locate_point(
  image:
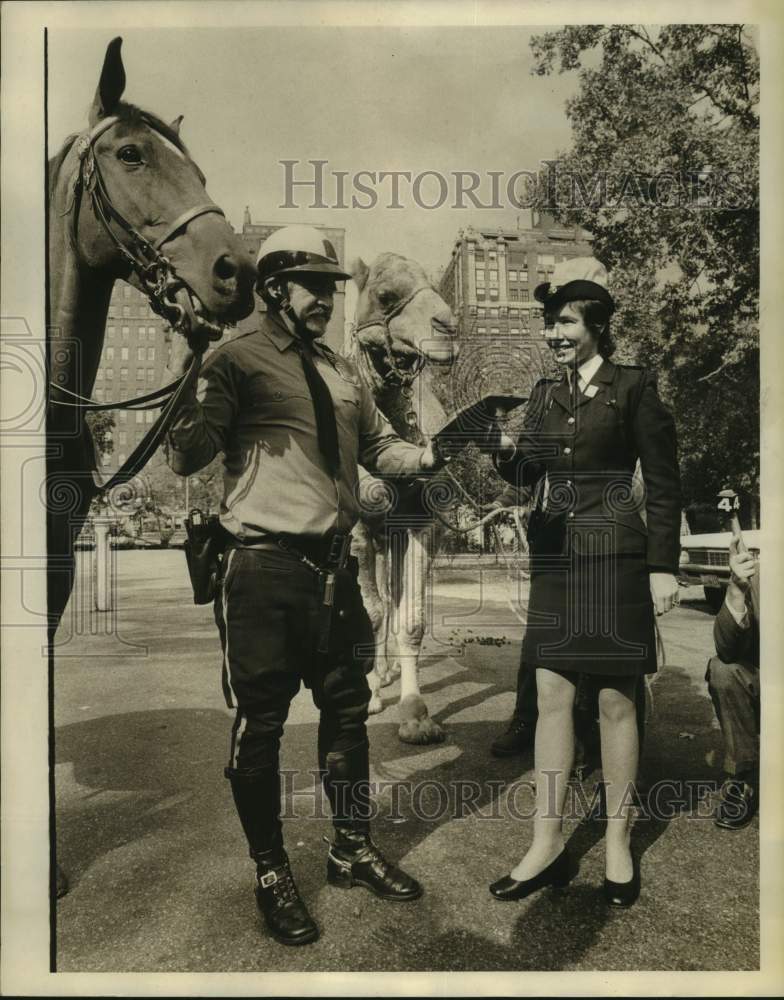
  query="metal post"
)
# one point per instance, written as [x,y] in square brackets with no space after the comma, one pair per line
[102,564]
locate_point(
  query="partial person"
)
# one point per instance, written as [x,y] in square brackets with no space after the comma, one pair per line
[293,420]
[734,686]
[598,573]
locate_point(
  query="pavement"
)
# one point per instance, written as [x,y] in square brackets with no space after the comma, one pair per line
[159,872]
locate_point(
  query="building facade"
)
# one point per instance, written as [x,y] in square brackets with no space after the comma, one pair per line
[489,284]
[135,352]
[253,235]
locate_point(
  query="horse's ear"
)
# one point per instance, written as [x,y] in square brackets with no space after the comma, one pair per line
[175,125]
[111,85]
[359,271]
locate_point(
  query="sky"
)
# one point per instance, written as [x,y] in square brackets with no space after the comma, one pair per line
[393,98]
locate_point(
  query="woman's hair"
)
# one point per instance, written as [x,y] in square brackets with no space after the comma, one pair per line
[596,317]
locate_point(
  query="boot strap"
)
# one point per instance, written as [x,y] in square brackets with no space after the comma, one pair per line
[268,879]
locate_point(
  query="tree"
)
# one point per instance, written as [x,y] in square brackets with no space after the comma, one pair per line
[101,426]
[663,172]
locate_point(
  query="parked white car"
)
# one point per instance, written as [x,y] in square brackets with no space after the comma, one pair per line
[705,559]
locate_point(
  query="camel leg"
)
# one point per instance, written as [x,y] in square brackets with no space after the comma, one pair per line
[410,610]
[365,549]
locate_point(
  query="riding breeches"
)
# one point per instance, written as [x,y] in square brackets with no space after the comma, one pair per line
[268,612]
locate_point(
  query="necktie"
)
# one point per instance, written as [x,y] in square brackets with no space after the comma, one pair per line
[324,408]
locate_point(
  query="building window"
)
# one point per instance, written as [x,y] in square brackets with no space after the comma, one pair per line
[99,395]
[123,354]
[514,330]
[513,275]
[514,294]
[546,260]
[125,332]
[494,313]
[494,329]
[151,332]
[142,332]
[110,332]
[150,374]
[126,291]
[139,416]
[140,352]
[493,275]
[123,373]
[525,295]
[110,354]
[126,311]
[149,416]
[151,354]
[493,293]
[139,374]
[481,329]
[123,437]
[123,415]
[514,313]
[480,293]
[481,312]
[523,276]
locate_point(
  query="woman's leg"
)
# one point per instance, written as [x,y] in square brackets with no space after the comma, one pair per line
[553,758]
[620,753]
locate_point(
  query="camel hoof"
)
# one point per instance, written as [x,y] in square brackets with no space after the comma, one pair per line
[376,705]
[416,726]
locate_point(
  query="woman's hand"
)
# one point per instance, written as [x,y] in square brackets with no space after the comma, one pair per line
[664,591]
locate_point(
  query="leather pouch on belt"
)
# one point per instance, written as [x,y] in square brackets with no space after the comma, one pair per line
[204,546]
[340,598]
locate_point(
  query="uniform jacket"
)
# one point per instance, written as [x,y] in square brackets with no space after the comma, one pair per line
[579,454]
[254,405]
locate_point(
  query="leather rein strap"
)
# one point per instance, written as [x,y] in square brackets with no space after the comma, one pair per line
[158,280]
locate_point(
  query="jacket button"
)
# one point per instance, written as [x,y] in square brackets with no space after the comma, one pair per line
[571,513]
[278,395]
[570,420]
[567,451]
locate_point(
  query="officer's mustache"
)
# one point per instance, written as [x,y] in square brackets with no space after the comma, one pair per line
[319,311]
[559,343]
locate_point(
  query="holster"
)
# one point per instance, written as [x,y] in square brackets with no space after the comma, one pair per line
[204,546]
[337,579]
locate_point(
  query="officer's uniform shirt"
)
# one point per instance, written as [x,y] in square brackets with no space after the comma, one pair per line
[583,443]
[254,405]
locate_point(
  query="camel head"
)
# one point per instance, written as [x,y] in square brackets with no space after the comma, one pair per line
[395,291]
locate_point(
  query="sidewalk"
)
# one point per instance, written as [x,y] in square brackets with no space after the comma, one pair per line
[159,871]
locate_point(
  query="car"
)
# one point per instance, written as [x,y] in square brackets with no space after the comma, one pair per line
[705,559]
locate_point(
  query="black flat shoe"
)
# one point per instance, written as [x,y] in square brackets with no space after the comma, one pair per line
[623,893]
[558,873]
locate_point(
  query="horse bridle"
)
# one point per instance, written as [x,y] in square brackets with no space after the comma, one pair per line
[153,268]
[397,376]
[159,281]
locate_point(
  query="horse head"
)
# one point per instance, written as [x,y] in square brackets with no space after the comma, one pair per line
[139,211]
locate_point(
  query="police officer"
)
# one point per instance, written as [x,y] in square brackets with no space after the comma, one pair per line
[598,570]
[293,421]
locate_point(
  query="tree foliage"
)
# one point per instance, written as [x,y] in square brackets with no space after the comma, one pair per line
[663,172]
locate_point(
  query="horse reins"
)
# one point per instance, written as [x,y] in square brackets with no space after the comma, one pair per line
[158,280]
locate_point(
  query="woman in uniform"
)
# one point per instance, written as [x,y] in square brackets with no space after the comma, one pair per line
[598,569]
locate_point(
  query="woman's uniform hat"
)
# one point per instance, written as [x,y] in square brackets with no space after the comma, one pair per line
[578,278]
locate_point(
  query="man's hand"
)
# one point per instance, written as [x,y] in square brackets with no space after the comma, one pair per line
[182,350]
[743,565]
[433,457]
[664,591]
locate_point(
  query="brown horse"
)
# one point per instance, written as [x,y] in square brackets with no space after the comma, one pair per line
[126,201]
[402,328]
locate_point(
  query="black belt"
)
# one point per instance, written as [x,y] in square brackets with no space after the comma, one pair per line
[329,551]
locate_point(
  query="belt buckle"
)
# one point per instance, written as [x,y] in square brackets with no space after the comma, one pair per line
[265,881]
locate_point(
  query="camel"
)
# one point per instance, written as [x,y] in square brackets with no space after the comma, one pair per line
[402,327]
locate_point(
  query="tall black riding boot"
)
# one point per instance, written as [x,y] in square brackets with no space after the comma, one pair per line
[257,798]
[353,857]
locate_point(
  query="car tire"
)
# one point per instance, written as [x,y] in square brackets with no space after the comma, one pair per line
[715,597]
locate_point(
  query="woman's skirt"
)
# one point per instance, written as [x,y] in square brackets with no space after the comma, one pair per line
[593,615]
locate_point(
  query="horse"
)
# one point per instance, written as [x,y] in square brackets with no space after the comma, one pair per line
[125,201]
[402,327]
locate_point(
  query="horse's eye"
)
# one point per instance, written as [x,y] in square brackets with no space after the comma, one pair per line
[130,155]
[386,298]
